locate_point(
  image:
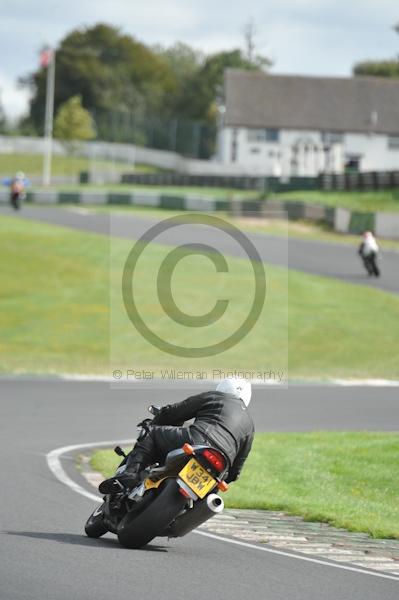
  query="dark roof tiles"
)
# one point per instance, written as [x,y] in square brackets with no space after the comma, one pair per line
[360,104]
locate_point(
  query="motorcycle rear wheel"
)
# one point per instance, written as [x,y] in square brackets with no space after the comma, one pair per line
[135,531]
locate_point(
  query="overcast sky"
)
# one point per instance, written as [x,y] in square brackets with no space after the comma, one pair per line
[318,37]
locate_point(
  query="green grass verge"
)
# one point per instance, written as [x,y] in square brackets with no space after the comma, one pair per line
[345,479]
[385,200]
[54,311]
[32,164]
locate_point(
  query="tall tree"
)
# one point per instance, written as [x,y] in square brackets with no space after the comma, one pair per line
[3,119]
[185,63]
[73,123]
[108,69]
[249,39]
[206,85]
[182,59]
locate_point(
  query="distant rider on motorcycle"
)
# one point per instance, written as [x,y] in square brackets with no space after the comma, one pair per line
[368,250]
[17,190]
[221,421]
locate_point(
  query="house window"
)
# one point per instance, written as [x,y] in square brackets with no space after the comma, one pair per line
[272,135]
[353,163]
[263,135]
[256,135]
[393,142]
[330,138]
[255,150]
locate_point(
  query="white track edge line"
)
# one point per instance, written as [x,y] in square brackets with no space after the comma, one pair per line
[91,378]
[339,382]
[54,464]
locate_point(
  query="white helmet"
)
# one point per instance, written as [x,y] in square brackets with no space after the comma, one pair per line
[240,388]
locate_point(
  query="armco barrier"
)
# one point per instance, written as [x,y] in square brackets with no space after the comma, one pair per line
[182,179]
[387,225]
[341,219]
[371,180]
[119,199]
[69,198]
[201,204]
[145,200]
[234,181]
[360,222]
[173,202]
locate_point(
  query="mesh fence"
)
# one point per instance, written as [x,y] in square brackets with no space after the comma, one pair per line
[187,137]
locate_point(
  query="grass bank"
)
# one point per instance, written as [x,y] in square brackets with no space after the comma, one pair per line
[32,165]
[346,479]
[54,311]
[382,200]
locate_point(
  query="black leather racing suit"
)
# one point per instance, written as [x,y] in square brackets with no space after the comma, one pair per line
[221,420]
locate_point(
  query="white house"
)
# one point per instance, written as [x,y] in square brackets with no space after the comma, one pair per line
[301,126]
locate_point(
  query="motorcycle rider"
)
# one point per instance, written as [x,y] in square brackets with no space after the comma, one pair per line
[221,420]
[368,250]
[17,190]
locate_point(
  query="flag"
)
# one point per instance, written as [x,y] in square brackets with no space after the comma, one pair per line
[46,56]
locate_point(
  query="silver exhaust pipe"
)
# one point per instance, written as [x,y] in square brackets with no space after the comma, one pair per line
[196,516]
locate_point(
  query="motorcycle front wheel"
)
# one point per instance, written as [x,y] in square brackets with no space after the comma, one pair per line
[95,527]
[135,531]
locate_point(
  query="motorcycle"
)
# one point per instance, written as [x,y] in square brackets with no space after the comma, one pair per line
[17,194]
[171,499]
[371,265]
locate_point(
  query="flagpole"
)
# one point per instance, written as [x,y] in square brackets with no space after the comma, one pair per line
[48,120]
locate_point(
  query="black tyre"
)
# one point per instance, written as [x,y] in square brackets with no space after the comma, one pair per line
[368,267]
[95,527]
[135,531]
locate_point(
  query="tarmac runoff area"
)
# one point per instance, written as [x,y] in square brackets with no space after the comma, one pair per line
[45,554]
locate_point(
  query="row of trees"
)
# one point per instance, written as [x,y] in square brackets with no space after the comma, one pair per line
[134,91]
[157,96]
[383,68]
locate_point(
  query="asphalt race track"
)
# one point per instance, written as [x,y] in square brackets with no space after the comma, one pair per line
[44,554]
[321,258]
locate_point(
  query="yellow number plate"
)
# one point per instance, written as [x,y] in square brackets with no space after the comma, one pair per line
[197,478]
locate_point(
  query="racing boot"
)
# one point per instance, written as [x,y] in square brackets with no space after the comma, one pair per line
[127,479]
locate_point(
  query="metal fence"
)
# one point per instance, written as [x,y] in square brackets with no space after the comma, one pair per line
[186,137]
[373,180]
